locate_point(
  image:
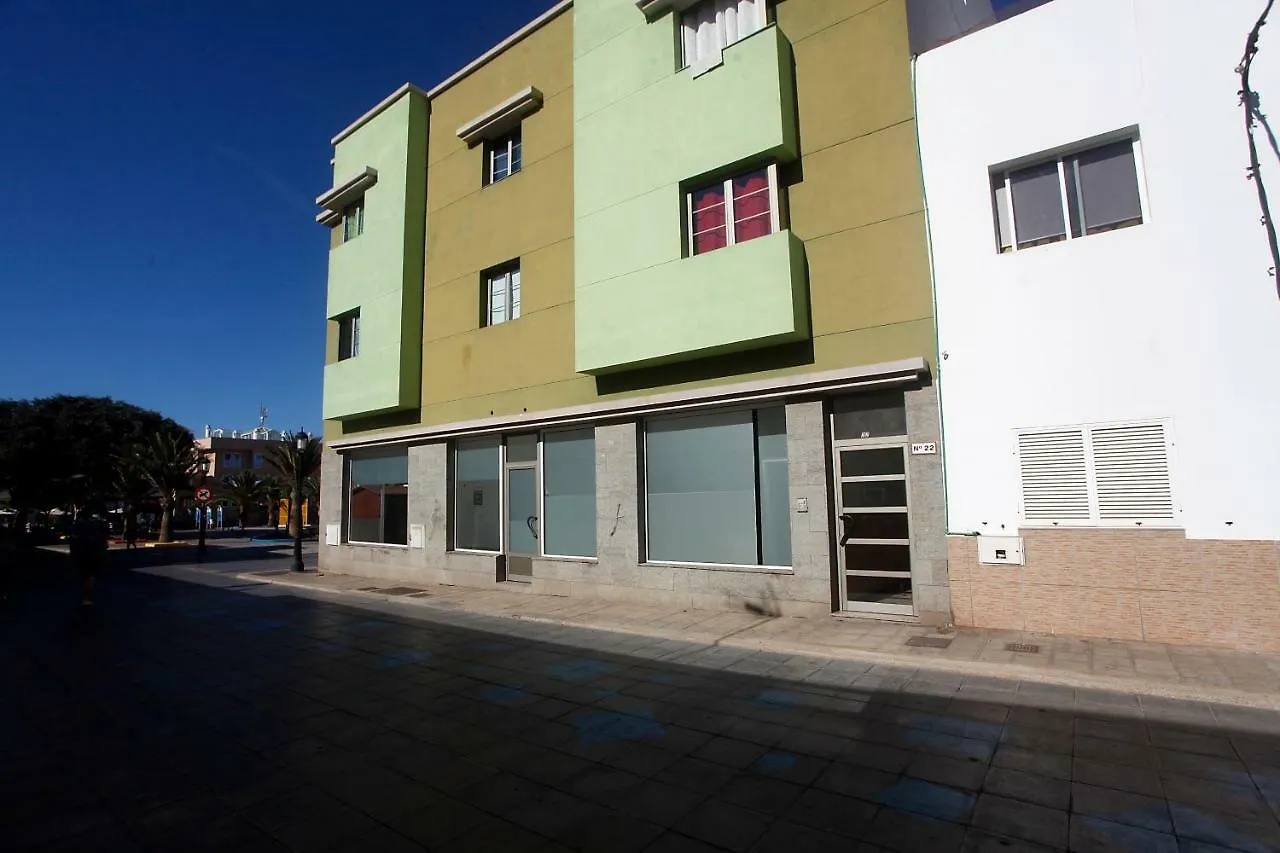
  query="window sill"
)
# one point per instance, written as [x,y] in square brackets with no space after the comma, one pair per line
[391,545]
[722,567]
[556,558]
[473,552]
[497,181]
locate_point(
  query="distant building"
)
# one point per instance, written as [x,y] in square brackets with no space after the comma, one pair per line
[233,451]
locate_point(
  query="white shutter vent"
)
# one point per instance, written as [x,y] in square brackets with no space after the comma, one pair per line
[1131,469]
[1055,482]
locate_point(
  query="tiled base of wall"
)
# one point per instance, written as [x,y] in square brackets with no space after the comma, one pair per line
[1152,585]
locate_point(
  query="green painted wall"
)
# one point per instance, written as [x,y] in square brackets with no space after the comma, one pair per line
[644,133]
[380,272]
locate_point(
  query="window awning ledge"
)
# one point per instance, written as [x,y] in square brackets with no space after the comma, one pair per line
[654,8]
[340,196]
[501,118]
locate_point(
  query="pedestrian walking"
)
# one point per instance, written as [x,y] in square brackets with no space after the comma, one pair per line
[88,540]
[130,528]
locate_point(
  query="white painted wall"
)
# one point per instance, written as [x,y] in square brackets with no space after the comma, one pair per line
[1176,318]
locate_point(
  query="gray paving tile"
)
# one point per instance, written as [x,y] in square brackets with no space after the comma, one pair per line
[1028,787]
[1094,835]
[1225,830]
[1121,807]
[1121,777]
[1023,820]
[723,824]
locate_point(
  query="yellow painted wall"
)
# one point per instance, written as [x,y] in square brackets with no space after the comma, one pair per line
[855,199]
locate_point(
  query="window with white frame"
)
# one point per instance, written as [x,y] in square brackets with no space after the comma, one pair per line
[378,497]
[502,294]
[712,25]
[734,210]
[349,336]
[353,220]
[1103,474]
[501,157]
[716,488]
[1067,197]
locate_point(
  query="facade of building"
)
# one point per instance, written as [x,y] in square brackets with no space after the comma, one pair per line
[637,306]
[1107,324]
[232,451]
[640,306]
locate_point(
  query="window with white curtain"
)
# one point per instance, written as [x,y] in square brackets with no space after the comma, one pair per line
[709,27]
[502,294]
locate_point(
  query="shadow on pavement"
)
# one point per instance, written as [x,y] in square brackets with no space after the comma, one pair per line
[173,716]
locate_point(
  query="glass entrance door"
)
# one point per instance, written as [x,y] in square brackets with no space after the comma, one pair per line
[874,528]
[522,523]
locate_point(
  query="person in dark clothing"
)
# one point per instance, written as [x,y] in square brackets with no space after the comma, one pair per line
[130,528]
[88,540]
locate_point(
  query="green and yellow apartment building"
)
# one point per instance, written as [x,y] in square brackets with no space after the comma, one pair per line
[637,307]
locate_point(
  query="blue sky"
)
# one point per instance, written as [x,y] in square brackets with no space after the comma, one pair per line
[161,159]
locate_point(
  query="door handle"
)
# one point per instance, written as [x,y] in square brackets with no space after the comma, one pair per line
[532,523]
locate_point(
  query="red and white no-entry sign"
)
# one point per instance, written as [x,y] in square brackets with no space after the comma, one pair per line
[204,494]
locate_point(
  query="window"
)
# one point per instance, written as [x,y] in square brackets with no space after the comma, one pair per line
[1086,192]
[502,157]
[716,488]
[502,295]
[353,220]
[477,471]
[259,461]
[711,26]
[1096,475]
[735,210]
[232,461]
[379,498]
[349,336]
[569,493]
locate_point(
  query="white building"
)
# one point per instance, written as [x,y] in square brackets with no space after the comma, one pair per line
[1109,332]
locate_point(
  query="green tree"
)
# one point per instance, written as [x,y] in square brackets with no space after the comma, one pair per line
[245,491]
[65,451]
[169,461]
[295,465]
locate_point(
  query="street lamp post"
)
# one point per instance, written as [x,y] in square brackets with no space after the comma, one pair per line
[203,509]
[301,440]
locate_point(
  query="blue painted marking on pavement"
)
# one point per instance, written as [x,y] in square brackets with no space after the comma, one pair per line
[776,699]
[259,625]
[1193,823]
[395,660]
[581,669]
[501,695]
[955,747]
[914,795]
[600,727]
[775,762]
[493,646]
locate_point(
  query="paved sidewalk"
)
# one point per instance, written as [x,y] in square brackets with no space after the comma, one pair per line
[1154,669]
[190,710]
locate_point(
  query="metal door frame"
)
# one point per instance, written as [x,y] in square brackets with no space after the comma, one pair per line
[837,497]
[508,466]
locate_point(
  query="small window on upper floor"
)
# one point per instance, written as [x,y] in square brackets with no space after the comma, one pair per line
[712,25]
[1074,195]
[353,220]
[501,157]
[232,461]
[732,211]
[349,336]
[502,294]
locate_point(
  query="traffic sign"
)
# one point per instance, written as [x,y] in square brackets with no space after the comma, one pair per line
[204,494]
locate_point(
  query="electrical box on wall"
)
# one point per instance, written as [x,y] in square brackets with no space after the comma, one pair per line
[332,534]
[1000,550]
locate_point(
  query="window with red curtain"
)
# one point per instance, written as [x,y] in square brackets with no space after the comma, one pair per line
[709,228]
[732,211]
[752,217]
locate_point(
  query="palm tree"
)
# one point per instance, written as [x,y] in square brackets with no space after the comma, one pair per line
[274,490]
[168,459]
[295,465]
[245,490]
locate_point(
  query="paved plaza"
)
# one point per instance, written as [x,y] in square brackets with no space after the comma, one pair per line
[238,715]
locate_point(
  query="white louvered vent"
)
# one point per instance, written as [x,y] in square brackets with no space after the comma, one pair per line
[1055,481]
[1131,470]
